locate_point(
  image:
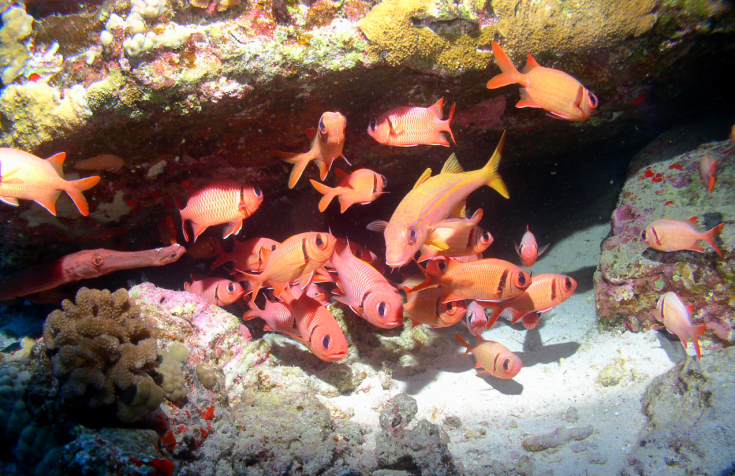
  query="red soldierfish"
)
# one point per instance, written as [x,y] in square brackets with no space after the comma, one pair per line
[456,237]
[226,201]
[431,201]
[318,328]
[277,316]
[555,91]
[408,126]
[297,257]
[678,320]
[545,292]
[528,250]
[495,358]
[674,235]
[216,291]
[25,176]
[246,255]
[476,318]
[366,291]
[486,279]
[707,171]
[326,145]
[361,186]
[426,307]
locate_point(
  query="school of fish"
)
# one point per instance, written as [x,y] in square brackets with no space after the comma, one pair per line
[308,271]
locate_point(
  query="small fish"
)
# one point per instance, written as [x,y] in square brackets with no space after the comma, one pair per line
[327,143]
[486,279]
[216,291]
[25,176]
[493,357]
[277,316]
[707,171]
[476,318]
[408,126]
[528,250]
[298,257]
[318,328]
[246,255]
[732,134]
[361,186]
[555,91]
[431,201]
[426,306]
[227,201]
[366,291]
[674,235]
[545,292]
[456,237]
[678,320]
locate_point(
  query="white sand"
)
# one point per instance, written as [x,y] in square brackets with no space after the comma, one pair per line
[562,358]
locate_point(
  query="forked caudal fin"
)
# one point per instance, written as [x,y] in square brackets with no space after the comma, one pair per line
[464,343]
[491,170]
[75,189]
[709,237]
[509,75]
[328,192]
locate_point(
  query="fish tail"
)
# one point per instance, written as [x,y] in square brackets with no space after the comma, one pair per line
[448,122]
[709,237]
[299,162]
[696,332]
[75,192]
[509,75]
[490,170]
[464,343]
[252,312]
[328,192]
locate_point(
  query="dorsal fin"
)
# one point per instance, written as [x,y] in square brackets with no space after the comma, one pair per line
[438,108]
[57,162]
[424,177]
[451,166]
[377,225]
[477,216]
[693,220]
[530,64]
[340,174]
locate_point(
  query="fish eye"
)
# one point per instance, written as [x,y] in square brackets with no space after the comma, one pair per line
[442,265]
[385,182]
[411,234]
[593,100]
[231,288]
[98,260]
[643,235]
[320,241]
[507,364]
[450,306]
[382,309]
[568,283]
[326,341]
[373,125]
[522,279]
[257,192]
[322,127]
[486,237]
[273,247]
[471,318]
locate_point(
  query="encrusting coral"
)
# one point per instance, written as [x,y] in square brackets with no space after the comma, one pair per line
[100,346]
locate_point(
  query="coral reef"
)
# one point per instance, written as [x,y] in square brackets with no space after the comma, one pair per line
[17,26]
[631,276]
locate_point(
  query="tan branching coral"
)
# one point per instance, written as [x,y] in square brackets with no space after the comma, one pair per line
[99,345]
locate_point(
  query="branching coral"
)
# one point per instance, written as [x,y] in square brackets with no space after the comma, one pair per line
[99,345]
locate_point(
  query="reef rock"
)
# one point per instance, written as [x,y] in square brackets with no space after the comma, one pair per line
[631,276]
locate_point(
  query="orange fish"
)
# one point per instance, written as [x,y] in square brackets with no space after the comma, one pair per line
[247,255]
[426,307]
[486,279]
[277,316]
[707,172]
[674,235]
[732,134]
[545,292]
[226,201]
[326,145]
[456,237]
[678,320]
[361,186]
[555,91]
[25,176]
[297,257]
[408,126]
[476,318]
[216,291]
[366,291]
[528,250]
[432,200]
[493,357]
[318,328]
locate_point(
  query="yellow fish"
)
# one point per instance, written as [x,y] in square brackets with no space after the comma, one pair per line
[431,201]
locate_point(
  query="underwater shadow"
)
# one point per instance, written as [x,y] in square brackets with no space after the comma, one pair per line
[672,346]
[535,352]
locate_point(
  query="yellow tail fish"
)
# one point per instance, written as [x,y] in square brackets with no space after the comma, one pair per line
[432,200]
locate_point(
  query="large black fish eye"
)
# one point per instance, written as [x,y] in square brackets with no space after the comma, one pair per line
[326,341]
[98,260]
[373,124]
[568,283]
[450,306]
[382,309]
[322,127]
[411,234]
[506,365]
[257,192]
[231,288]
[471,318]
[643,235]
[319,241]
[593,100]
[486,236]
[442,265]
[522,278]
[385,181]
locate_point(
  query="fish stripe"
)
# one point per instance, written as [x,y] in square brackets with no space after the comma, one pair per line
[303,250]
[553,290]
[655,235]
[503,279]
